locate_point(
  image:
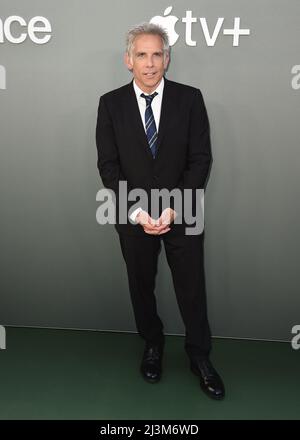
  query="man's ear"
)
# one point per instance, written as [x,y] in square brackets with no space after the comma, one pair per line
[127,61]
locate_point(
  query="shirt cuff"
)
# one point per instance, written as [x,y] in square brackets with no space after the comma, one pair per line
[134,214]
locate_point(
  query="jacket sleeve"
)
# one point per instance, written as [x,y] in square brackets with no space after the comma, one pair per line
[108,158]
[199,157]
[199,149]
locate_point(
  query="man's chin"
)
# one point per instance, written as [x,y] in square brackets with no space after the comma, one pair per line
[151,83]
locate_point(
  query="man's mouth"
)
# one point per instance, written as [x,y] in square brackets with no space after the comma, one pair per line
[150,74]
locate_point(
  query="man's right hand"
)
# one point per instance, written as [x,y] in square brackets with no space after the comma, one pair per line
[150,225]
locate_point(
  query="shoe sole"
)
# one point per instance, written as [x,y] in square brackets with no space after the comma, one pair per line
[151,380]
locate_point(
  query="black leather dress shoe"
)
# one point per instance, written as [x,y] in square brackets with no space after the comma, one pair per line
[151,366]
[210,382]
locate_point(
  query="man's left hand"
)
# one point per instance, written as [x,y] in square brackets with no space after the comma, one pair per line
[167,217]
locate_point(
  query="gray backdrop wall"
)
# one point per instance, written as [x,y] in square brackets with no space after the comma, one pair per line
[59,267]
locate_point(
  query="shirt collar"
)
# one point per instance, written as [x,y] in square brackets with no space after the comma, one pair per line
[159,89]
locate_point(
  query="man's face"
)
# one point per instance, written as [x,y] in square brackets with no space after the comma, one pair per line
[147,61]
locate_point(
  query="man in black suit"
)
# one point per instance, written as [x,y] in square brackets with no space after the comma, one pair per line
[153,133]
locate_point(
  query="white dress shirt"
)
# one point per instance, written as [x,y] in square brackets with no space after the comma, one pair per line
[156,108]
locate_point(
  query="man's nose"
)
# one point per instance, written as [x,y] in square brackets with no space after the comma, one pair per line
[149,61]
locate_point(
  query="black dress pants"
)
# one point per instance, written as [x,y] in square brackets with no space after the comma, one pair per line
[185,259]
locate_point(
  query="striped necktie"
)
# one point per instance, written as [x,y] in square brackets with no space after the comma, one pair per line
[150,123]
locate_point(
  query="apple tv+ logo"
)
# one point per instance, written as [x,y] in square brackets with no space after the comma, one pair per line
[168,22]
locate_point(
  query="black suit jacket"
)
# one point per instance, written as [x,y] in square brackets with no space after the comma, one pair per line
[183,156]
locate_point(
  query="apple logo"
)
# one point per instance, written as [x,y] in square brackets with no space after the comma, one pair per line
[168,23]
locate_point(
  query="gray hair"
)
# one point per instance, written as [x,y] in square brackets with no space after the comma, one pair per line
[150,29]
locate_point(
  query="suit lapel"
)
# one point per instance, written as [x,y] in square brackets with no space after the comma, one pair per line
[135,122]
[168,108]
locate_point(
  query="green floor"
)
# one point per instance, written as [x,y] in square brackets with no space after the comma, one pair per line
[65,374]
